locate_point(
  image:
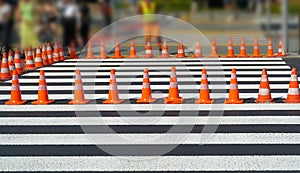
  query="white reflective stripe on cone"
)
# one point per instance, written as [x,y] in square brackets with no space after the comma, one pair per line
[173,84]
[29,62]
[173,74]
[14,77]
[61,53]
[78,77]
[270,47]
[117,48]
[146,85]
[29,53]
[38,59]
[204,76]
[148,51]
[264,78]
[264,91]
[164,52]
[132,48]
[112,77]
[243,48]
[293,91]
[146,75]
[42,87]
[4,70]
[180,51]
[197,51]
[204,87]
[15,87]
[294,78]
[233,86]
[279,50]
[12,67]
[4,60]
[233,76]
[17,65]
[78,87]
[42,77]
[113,87]
[230,48]
[255,47]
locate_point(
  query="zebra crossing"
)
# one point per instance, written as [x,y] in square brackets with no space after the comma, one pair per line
[151,137]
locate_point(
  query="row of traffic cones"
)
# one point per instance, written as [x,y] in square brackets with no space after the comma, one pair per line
[264,94]
[181,53]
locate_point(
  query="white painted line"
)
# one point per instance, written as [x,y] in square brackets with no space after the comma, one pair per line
[83,73]
[150,163]
[167,68]
[149,139]
[149,120]
[139,87]
[152,107]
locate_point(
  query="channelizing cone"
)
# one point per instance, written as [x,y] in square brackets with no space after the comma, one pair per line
[146,90]
[165,50]
[15,95]
[5,73]
[204,96]
[180,52]
[230,50]
[113,94]
[173,97]
[78,91]
[264,93]
[132,50]
[43,98]
[234,97]
[293,95]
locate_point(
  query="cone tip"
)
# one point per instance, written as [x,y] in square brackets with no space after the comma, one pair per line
[204,71]
[42,72]
[173,68]
[146,70]
[294,71]
[112,71]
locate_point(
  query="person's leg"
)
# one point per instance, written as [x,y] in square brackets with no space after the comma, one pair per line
[156,33]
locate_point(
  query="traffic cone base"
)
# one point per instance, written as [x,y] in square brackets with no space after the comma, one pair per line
[233,101]
[293,95]
[172,100]
[113,101]
[291,101]
[78,102]
[264,100]
[204,101]
[11,102]
[41,102]
[146,100]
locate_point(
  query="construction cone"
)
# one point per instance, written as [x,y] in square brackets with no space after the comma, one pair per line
[4,74]
[256,53]
[230,50]
[118,50]
[214,50]
[281,51]
[198,50]
[38,58]
[78,91]
[72,51]
[103,50]
[180,52]
[264,94]
[29,61]
[15,95]
[43,92]
[56,57]
[11,64]
[148,53]
[173,97]
[243,51]
[61,52]
[113,94]
[293,95]
[204,96]
[165,50]
[132,50]
[270,52]
[18,63]
[90,53]
[50,53]
[146,90]
[234,97]
[44,55]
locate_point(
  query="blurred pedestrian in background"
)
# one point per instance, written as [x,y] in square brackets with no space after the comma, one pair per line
[85,18]
[106,11]
[70,20]
[149,8]
[26,13]
[5,24]
[48,21]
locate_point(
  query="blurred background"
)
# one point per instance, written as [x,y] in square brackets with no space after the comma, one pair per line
[28,22]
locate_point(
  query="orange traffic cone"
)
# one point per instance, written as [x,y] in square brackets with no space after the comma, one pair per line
[29,61]
[43,98]
[78,91]
[50,53]
[72,51]
[61,52]
[198,50]
[148,53]
[44,55]
[270,52]
[132,49]
[243,51]
[180,52]
[230,50]
[293,95]
[264,94]
[4,74]
[15,95]
[204,96]
[165,50]
[256,53]
[113,94]
[234,97]
[18,63]
[214,50]
[11,64]
[281,51]
[56,57]
[146,90]
[38,58]
[90,53]
[173,97]
[118,51]
[103,50]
